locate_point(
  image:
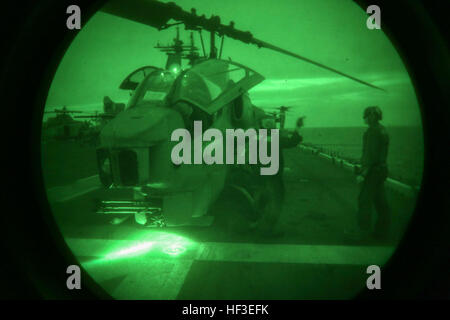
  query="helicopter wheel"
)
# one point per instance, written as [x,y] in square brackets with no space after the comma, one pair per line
[234,211]
[269,204]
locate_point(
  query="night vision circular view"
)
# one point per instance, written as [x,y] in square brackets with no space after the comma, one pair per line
[259,156]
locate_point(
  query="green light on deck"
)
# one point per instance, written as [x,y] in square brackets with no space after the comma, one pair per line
[147,245]
[134,250]
[174,249]
[172,244]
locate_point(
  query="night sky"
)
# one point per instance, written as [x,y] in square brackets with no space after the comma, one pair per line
[332,32]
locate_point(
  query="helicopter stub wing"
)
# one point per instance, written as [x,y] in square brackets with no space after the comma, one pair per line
[63,111]
[95,116]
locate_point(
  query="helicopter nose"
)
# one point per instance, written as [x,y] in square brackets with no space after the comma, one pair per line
[142,125]
[139,148]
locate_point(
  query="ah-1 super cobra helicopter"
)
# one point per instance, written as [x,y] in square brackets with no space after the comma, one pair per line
[135,146]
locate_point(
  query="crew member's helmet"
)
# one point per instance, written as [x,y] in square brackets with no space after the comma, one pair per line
[373,110]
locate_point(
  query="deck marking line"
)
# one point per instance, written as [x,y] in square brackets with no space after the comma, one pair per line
[155,275]
[252,252]
[78,188]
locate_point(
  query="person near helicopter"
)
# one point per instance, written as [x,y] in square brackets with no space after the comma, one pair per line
[372,175]
[269,200]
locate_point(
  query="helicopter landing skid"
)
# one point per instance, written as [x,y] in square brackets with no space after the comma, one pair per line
[146,213]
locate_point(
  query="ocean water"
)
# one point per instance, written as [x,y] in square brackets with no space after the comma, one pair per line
[405,154]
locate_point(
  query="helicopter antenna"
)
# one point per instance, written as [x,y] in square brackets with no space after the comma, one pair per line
[201,40]
[193,55]
[213,49]
[221,47]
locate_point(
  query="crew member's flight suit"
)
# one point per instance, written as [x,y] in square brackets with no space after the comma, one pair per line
[271,207]
[374,169]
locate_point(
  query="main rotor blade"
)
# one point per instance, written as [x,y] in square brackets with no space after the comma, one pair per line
[148,12]
[157,14]
[260,43]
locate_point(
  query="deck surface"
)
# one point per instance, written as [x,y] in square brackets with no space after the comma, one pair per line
[315,259]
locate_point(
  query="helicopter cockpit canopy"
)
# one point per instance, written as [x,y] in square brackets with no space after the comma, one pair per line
[153,89]
[212,84]
[133,79]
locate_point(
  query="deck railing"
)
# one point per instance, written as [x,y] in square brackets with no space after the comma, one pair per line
[339,160]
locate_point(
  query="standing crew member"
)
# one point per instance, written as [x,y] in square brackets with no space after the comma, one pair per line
[372,175]
[270,200]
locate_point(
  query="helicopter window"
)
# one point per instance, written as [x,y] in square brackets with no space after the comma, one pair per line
[153,89]
[213,83]
[139,76]
[213,88]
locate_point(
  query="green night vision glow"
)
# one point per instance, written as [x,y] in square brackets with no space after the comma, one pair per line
[103,142]
[137,249]
[153,244]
